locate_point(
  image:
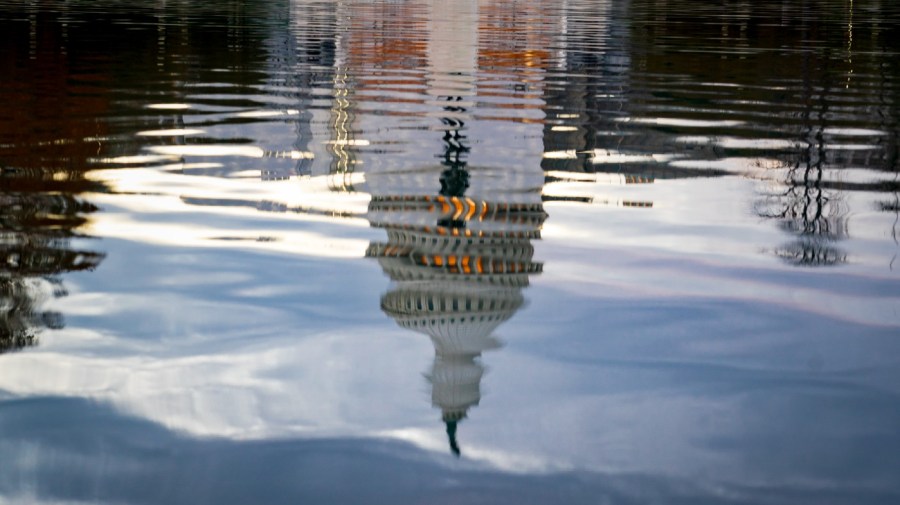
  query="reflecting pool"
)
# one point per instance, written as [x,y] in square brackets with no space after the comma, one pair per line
[420,251]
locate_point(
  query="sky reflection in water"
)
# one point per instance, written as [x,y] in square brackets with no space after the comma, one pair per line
[412,251]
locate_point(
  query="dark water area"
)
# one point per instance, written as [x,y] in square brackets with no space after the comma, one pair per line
[420,251]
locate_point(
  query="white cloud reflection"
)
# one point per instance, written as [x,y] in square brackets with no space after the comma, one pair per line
[169,106]
[172,132]
[209,150]
[615,365]
[146,201]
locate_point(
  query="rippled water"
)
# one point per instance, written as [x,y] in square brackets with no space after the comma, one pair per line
[419,251]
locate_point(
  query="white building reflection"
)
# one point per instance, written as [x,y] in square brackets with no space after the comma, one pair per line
[455,280]
[458,248]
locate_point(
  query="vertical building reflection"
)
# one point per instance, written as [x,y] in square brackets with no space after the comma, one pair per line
[458,253]
[581,105]
[302,58]
[378,49]
[458,266]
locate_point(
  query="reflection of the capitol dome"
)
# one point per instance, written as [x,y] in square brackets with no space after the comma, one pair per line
[458,248]
[458,266]
[456,285]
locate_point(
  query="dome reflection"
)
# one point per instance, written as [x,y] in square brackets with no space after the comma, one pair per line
[458,253]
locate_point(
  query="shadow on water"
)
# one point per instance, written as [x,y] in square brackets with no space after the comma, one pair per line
[101,455]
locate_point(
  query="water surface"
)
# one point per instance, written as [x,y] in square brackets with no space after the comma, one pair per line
[466,252]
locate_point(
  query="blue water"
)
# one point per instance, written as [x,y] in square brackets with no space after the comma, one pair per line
[413,251]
